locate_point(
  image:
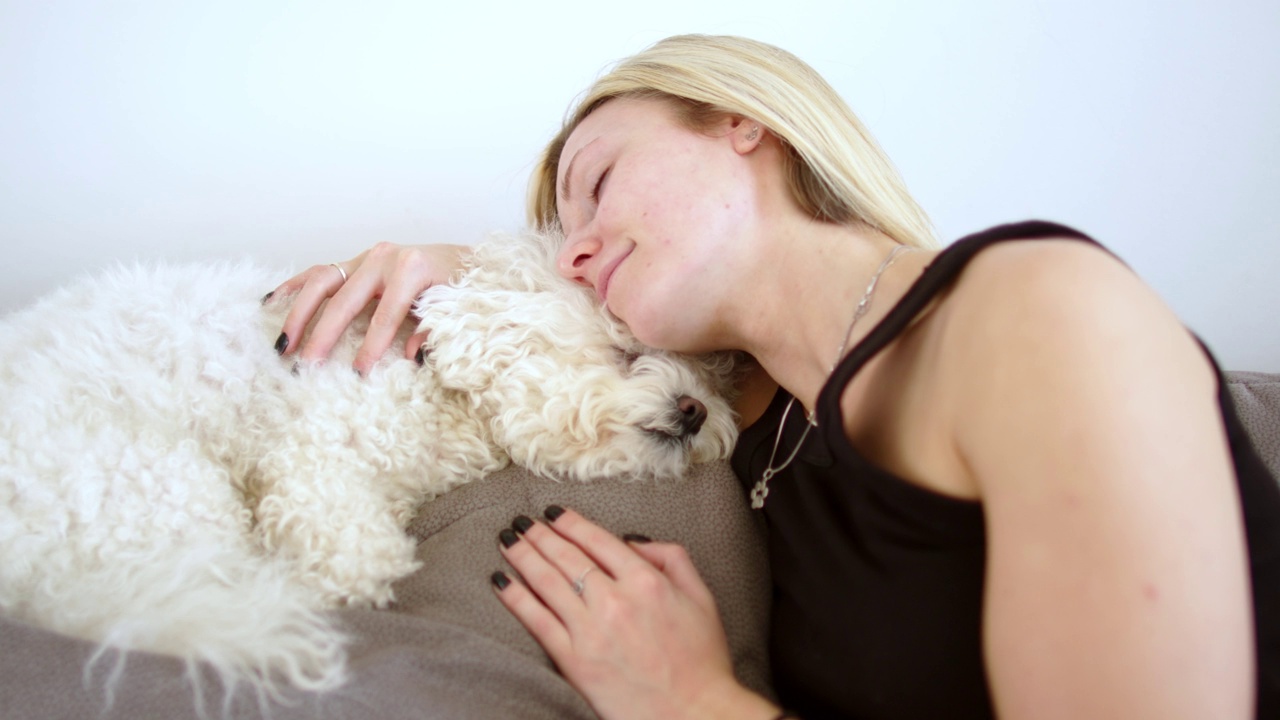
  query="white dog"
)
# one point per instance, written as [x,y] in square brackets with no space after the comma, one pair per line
[168,483]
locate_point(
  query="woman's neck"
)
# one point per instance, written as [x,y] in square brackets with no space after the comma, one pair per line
[797,311]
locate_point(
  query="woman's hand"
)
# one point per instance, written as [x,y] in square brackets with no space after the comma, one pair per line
[394,275]
[631,625]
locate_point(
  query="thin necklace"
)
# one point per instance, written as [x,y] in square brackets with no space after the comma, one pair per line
[761,489]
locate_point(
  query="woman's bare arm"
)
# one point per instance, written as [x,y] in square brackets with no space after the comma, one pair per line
[1117,578]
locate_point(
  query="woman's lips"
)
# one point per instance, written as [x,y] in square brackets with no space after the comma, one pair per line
[606,276]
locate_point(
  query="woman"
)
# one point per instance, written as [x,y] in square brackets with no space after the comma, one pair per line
[996,477]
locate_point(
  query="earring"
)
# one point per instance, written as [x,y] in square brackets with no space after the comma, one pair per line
[755,132]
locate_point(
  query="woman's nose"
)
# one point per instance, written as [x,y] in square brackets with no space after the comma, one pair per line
[575,255]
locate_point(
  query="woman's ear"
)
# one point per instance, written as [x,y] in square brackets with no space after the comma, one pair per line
[746,134]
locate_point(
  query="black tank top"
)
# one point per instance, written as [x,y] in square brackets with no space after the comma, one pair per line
[878,582]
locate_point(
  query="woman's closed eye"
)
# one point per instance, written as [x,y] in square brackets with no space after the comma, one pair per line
[599,186]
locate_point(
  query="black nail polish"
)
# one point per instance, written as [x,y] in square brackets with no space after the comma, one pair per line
[637,538]
[421,357]
[508,538]
[500,580]
[267,297]
[522,524]
[282,342]
[552,512]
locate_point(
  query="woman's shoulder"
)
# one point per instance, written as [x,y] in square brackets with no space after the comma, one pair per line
[1020,282]
[1063,326]
[1052,290]
[1024,336]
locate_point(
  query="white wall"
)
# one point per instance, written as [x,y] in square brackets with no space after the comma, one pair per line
[301,132]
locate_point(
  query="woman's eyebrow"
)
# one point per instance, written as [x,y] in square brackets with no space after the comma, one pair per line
[568,173]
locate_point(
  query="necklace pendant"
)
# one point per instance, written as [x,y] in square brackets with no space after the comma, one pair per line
[761,489]
[758,494]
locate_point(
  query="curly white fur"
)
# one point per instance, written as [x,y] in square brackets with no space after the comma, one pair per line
[168,483]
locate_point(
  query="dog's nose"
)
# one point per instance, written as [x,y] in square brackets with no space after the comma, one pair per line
[692,414]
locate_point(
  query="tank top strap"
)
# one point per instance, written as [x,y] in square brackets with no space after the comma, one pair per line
[936,277]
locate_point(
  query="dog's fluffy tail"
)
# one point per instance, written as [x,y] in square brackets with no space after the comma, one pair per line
[245,627]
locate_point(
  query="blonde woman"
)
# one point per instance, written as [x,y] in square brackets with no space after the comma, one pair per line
[1001,479]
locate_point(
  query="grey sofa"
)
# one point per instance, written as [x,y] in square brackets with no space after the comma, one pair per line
[1257,399]
[449,650]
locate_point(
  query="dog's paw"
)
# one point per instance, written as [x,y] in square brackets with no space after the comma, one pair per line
[359,575]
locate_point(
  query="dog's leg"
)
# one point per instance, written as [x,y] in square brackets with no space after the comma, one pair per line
[335,490]
[328,521]
[340,521]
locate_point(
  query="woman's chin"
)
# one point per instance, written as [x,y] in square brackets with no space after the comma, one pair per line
[665,336]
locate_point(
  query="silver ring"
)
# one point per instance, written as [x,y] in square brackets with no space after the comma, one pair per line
[578,587]
[340,270]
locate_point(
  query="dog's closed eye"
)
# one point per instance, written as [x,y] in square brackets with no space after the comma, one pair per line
[626,359]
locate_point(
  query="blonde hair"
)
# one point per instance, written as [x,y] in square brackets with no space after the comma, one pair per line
[837,171]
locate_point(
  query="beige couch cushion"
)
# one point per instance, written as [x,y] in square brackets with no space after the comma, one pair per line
[1257,399]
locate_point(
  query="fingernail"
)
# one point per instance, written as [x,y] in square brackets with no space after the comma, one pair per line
[522,524]
[267,297]
[421,357]
[552,512]
[500,580]
[637,538]
[294,370]
[282,342]
[508,538]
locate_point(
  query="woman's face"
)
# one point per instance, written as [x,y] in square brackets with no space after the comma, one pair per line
[656,217]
